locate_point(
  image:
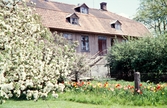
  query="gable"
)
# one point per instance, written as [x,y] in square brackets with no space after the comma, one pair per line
[73,15]
[82,8]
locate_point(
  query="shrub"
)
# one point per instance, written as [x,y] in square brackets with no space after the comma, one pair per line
[146,55]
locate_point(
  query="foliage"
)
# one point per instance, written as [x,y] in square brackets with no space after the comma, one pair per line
[115,92]
[30,60]
[153,14]
[146,55]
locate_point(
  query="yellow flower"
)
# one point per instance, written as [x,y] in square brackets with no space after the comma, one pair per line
[99,84]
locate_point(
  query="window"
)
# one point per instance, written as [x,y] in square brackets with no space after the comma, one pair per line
[84,10]
[74,20]
[84,43]
[112,41]
[116,24]
[124,40]
[68,37]
[113,25]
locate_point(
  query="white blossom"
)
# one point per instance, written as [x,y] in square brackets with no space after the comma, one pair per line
[43,95]
[29,94]
[7,87]
[35,95]
[61,87]
[55,95]
[29,83]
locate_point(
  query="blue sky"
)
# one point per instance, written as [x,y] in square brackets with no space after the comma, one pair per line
[125,8]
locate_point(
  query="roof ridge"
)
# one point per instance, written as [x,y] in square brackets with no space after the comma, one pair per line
[60,2]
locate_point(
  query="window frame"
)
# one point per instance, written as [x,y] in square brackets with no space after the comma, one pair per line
[112,41]
[85,46]
[116,25]
[74,21]
[84,10]
[68,36]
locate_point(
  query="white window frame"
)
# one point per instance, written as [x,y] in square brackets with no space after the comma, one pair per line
[84,10]
[73,20]
[117,26]
[85,43]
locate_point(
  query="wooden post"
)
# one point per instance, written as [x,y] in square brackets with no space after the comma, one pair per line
[76,76]
[137,82]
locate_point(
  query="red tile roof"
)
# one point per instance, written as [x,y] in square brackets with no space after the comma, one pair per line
[97,21]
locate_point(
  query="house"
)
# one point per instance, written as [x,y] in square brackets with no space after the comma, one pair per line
[94,29]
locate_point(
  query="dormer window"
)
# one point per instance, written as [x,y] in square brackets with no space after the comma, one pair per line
[82,8]
[73,19]
[116,24]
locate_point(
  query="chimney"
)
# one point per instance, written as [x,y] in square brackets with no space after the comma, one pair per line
[103,6]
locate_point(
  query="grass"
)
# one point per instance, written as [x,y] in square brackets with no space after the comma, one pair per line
[116,92]
[63,104]
[100,94]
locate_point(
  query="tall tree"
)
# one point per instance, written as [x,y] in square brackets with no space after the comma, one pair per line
[153,13]
[31,58]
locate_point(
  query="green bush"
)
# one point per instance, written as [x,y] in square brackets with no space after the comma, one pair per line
[146,55]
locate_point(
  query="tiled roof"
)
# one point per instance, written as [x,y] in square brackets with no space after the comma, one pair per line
[97,21]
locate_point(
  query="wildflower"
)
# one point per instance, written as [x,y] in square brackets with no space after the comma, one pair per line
[75,84]
[118,86]
[112,89]
[139,91]
[94,86]
[148,87]
[106,84]
[99,84]
[125,88]
[82,83]
[158,87]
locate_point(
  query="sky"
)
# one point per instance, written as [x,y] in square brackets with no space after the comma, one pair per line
[126,8]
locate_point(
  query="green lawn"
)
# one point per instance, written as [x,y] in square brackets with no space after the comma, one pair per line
[62,104]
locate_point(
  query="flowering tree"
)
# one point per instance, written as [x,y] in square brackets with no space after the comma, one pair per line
[30,60]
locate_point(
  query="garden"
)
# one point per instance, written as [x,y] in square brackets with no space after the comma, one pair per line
[103,94]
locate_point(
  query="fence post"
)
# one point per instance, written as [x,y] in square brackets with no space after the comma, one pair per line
[137,82]
[76,76]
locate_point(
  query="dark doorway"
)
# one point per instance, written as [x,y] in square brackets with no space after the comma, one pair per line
[102,45]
